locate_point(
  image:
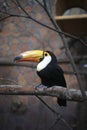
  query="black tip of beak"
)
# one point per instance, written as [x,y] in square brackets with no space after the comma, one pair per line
[16,59]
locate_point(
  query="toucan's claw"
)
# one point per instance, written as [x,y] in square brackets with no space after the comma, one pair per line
[40,87]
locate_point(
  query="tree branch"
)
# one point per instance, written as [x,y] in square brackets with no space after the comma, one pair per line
[55,91]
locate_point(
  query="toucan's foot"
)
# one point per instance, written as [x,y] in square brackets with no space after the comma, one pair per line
[40,87]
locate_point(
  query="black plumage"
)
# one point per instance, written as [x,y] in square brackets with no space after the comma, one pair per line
[52,75]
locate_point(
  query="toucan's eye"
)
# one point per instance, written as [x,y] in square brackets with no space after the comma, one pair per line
[46,54]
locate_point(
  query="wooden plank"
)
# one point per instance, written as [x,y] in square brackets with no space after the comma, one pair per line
[81,16]
[74,24]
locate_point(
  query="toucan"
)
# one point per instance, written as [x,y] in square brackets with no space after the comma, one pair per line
[48,70]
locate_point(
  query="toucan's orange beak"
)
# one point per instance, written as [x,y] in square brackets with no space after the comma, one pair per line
[34,55]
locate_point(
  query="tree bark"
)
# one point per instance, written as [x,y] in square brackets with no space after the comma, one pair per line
[55,91]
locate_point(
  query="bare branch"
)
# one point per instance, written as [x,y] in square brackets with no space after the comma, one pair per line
[55,91]
[63,120]
[1,19]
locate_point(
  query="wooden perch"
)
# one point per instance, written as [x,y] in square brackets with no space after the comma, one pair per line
[55,91]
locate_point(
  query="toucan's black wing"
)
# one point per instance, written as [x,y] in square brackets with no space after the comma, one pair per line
[61,82]
[60,75]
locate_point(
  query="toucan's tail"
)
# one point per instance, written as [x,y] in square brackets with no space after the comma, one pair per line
[61,102]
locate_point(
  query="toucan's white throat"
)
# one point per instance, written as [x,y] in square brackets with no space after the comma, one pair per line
[44,63]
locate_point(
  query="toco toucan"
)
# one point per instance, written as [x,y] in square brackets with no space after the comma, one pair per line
[48,69]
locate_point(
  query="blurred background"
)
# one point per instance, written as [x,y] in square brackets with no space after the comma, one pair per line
[20,32]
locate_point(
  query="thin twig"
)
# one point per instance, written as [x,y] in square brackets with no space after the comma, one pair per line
[56,121]
[50,108]
[22,8]
[14,2]
[45,5]
[1,19]
[64,121]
